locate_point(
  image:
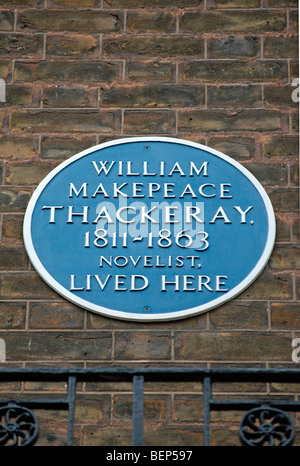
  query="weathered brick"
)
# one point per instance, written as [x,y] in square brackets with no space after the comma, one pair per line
[155,407]
[12,258]
[68,20]
[151,71]
[67,71]
[285,257]
[18,147]
[269,174]
[294,20]
[280,4]
[174,435]
[30,173]
[138,345]
[285,316]
[269,285]
[240,315]
[59,96]
[12,315]
[5,69]
[24,286]
[296,229]
[6,20]
[294,71]
[63,148]
[153,46]
[12,228]
[53,346]
[151,21]
[21,44]
[53,434]
[20,96]
[55,121]
[233,21]
[153,96]
[279,96]
[146,122]
[37,3]
[282,46]
[295,121]
[284,225]
[239,148]
[281,147]
[232,47]
[234,96]
[114,436]
[188,408]
[1,173]
[221,436]
[241,346]
[294,174]
[159,435]
[285,200]
[235,71]
[93,409]
[55,315]
[14,201]
[72,45]
[233,3]
[82,3]
[152,3]
[244,120]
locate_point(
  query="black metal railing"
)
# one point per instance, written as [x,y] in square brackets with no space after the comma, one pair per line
[264,424]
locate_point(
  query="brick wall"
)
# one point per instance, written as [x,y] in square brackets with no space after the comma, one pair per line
[80,72]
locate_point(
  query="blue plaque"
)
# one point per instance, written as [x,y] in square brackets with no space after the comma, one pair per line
[149,229]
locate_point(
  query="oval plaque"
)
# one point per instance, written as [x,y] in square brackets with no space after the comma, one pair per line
[149,229]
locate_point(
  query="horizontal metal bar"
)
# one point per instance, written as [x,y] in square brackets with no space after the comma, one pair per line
[153,374]
[246,404]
